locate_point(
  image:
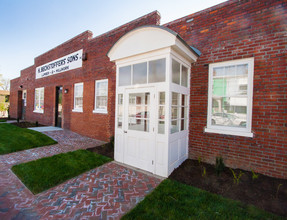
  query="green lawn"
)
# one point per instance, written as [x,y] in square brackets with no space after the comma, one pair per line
[174,200]
[42,174]
[14,139]
[3,120]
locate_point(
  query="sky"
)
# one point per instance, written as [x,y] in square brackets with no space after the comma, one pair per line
[29,28]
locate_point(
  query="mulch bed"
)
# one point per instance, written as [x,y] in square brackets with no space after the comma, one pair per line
[106,150]
[264,192]
[25,124]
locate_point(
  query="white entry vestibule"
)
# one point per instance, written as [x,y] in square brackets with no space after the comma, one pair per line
[152,98]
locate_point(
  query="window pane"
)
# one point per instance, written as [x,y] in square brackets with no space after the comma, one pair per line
[120,122]
[125,76]
[102,88]
[161,127]
[101,102]
[140,73]
[184,76]
[161,112]
[79,102]
[79,90]
[120,99]
[175,98]
[175,72]
[242,70]
[138,124]
[174,113]
[157,71]
[162,98]
[174,126]
[218,71]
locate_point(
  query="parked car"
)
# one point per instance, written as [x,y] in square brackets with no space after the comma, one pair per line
[227,119]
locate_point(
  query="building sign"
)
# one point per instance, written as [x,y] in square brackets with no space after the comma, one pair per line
[69,62]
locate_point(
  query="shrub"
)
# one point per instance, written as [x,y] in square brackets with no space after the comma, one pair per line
[219,165]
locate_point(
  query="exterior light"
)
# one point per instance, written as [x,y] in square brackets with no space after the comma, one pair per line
[66,91]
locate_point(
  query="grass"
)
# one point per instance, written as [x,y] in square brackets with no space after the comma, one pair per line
[174,200]
[2,120]
[14,139]
[42,174]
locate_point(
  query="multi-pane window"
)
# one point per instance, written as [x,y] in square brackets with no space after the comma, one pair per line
[39,100]
[230,96]
[78,97]
[142,73]
[179,112]
[101,96]
[179,74]
[139,111]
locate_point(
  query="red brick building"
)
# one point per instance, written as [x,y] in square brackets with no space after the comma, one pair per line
[225,66]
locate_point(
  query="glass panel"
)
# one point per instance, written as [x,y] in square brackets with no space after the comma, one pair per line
[218,71]
[175,72]
[229,111]
[102,88]
[182,125]
[184,76]
[79,90]
[161,112]
[174,112]
[175,98]
[138,111]
[79,102]
[162,98]
[174,126]
[101,102]
[120,122]
[120,99]
[120,110]
[138,124]
[140,73]
[242,70]
[125,76]
[161,127]
[157,71]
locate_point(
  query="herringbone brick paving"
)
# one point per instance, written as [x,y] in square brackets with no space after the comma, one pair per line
[106,192]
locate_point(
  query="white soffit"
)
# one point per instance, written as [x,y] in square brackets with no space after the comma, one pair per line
[149,38]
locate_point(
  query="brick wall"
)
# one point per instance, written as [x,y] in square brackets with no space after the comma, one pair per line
[96,67]
[234,30]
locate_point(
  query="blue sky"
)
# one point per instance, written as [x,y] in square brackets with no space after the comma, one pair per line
[29,28]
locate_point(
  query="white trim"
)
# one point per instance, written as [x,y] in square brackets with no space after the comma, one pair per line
[100,110]
[225,129]
[78,109]
[228,132]
[38,111]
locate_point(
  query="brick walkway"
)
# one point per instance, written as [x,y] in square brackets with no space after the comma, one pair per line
[106,192]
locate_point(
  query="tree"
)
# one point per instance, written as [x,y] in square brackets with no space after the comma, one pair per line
[4,83]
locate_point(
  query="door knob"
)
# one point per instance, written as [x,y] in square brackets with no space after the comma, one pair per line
[125,132]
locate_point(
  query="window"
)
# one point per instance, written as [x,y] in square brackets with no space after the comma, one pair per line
[39,100]
[78,97]
[230,97]
[179,109]
[179,74]
[143,73]
[101,96]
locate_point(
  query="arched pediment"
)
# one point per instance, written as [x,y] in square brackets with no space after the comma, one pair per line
[149,38]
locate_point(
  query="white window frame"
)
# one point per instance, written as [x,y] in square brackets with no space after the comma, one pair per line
[237,131]
[99,110]
[78,109]
[39,91]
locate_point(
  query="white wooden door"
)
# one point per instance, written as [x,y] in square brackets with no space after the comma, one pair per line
[139,132]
